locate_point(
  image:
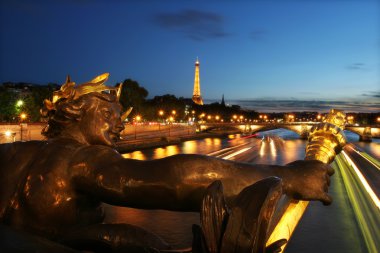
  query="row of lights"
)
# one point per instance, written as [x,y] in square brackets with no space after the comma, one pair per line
[235,117]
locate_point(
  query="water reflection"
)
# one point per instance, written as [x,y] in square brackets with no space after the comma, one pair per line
[138,155]
[190,147]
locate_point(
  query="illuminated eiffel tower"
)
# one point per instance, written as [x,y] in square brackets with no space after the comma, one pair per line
[197,98]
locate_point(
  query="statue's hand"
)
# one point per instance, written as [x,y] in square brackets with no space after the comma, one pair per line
[308,180]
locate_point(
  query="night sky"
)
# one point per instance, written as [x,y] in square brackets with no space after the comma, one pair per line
[298,51]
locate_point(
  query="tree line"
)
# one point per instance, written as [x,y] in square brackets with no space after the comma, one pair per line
[158,108]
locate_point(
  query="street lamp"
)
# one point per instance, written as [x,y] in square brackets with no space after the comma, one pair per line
[350,119]
[23,116]
[137,119]
[161,113]
[19,103]
[171,119]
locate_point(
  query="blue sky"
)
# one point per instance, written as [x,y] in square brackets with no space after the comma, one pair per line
[300,50]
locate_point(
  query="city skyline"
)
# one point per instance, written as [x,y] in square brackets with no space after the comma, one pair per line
[250,51]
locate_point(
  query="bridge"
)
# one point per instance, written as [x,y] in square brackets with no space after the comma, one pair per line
[365,132]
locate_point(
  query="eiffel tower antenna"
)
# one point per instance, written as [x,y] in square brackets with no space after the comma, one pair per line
[197,98]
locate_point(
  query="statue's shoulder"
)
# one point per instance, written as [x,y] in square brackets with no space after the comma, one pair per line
[18,146]
[96,154]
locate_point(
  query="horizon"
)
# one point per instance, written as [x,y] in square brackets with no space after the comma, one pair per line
[272,105]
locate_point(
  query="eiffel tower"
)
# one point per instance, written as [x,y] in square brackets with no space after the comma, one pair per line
[197,98]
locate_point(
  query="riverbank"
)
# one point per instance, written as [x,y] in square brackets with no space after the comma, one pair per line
[124,146]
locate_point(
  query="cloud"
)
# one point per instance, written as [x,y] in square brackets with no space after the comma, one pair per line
[194,24]
[356,66]
[375,94]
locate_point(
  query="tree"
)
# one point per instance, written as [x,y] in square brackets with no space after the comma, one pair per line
[132,95]
[8,108]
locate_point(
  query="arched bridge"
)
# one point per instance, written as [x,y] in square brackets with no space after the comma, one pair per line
[366,132]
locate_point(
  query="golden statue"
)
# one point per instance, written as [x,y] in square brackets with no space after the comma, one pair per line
[55,188]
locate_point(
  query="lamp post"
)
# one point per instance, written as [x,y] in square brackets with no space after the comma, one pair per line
[171,119]
[22,117]
[193,115]
[137,119]
[350,119]
[160,113]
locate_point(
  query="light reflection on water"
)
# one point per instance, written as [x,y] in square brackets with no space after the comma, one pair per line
[138,155]
[175,227]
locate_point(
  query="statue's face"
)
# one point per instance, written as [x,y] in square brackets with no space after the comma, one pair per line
[101,124]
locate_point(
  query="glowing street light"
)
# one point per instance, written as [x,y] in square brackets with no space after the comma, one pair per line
[23,116]
[138,118]
[160,112]
[8,133]
[217,117]
[174,112]
[350,119]
[19,103]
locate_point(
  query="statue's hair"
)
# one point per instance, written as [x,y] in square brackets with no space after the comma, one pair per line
[69,111]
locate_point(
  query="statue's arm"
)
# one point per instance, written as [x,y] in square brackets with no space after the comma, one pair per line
[177,182]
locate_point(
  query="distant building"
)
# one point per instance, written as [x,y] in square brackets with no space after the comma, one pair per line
[197,98]
[223,103]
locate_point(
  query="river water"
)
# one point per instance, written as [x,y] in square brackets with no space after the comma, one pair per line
[322,229]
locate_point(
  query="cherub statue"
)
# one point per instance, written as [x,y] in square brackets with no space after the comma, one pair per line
[54,188]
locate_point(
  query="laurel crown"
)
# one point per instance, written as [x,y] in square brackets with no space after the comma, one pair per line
[71,91]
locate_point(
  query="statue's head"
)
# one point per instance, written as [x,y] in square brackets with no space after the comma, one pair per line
[91,111]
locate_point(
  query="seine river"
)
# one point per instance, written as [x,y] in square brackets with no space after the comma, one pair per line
[322,229]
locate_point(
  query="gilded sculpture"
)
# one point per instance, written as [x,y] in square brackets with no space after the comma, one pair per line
[54,188]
